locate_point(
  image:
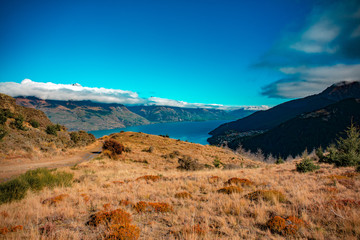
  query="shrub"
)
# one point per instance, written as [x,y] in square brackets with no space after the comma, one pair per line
[52,130]
[279,161]
[149,150]
[358,168]
[285,226]
[82,138]
[217,162]
[34,123]
[189,164]
[3,119]
[18,123]
[346,152]
[3,133]
[118,224]
[13,190]
[320,154]
[267,195]
[113,148]
[230,190]
[306,165]
[239,181]
[36,180]
[42,177]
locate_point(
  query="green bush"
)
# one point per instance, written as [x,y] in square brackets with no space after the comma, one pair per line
[34,123]
[52,130]
[35,180]
[3,119]
[189,164]
[13,190]
[279,161]
[4,115]
[306,165]
[217,162]
[42,177]
[320,154]
[3,132]
[347,150]
[18,123]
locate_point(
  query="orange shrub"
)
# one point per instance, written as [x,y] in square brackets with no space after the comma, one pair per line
[230,190]
[239,181]
[147,178]
[337,177]
[122,232]
[55,200]
[160,207]
[183,195]
[276,224]
[267,195]
[288,226]
[4,230]
[112,148]
[118,224]
[16,228]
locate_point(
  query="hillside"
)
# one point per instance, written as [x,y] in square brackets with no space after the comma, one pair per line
[266,120]
[84,115]
[306,131]
[89,116]
[144,196]
[28,131]
[177,114]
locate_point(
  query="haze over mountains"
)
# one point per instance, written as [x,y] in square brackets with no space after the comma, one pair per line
[89,115]
[291,127]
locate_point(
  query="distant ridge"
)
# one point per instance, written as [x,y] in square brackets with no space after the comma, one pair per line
[89,115]
[264,120]
[291,127]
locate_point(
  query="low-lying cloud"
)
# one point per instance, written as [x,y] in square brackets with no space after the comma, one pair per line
[77,92]
[326,51]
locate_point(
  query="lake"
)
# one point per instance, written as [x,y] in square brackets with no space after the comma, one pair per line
[196,132]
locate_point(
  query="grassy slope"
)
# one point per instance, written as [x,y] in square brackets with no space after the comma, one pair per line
[207,215]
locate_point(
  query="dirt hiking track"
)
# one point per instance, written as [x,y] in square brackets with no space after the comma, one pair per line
[9,170]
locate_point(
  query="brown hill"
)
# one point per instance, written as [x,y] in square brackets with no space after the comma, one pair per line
[26,131]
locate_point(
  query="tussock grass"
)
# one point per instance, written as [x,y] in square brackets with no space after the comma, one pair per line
[35,180]
[316,206]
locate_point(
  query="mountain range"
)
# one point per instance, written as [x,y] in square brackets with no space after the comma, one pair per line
[88,115]
[293,126]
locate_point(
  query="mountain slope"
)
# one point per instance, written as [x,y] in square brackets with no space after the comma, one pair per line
[84,115]
[310,130]
[264,120]
[177,114]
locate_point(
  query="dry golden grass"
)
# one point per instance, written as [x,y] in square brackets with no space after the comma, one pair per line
[316,206]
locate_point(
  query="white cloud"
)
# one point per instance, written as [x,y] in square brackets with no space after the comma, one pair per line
[77,92]
[317,38]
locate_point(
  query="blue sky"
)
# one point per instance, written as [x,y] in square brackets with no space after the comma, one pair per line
[200,51]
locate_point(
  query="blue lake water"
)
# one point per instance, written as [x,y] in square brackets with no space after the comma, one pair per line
[196,132]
